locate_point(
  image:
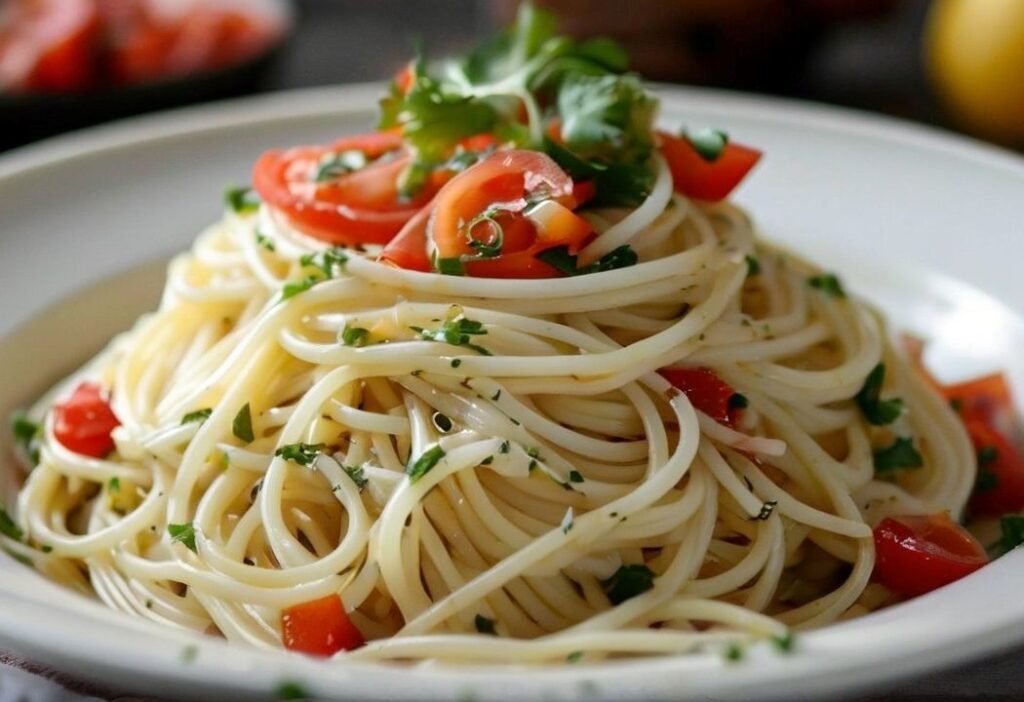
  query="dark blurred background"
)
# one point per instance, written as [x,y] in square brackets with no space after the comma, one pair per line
[954,63]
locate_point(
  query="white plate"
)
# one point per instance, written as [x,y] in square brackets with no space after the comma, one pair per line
[875,200]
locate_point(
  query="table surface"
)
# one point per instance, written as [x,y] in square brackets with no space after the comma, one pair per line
[874,67]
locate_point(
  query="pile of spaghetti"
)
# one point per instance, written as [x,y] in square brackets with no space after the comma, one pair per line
[507,380]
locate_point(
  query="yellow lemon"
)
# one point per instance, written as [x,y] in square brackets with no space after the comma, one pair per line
[975,55]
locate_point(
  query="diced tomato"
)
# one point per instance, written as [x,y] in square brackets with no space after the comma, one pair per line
[1000,486]
[696,177]
[320,628]
[706,391]
[915,555]
[361,207]
[84,421]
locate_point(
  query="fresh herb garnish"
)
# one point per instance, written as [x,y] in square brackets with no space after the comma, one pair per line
[241,427]
[200,415]
[265,242]
[27,434]
[628,582]
[568,521]
[505,447]
[560,258]
[574,657]
[1012,526]
[448,266]
[184,534]
[303,454]
[733,653]
[357,474]
[484,625]
[189,653]
[900,455]
[241,200]
[737,401]
[753,266]
[9,528]
[827,283]
[299,286]
[709,143]
[326,263]
[114,485]
[575,476]
[425,463]
[785,643]
[457,331]
[877,411]
[355,336]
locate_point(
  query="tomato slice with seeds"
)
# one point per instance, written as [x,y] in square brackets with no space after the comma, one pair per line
[83,423]
[918,554]
[320,628]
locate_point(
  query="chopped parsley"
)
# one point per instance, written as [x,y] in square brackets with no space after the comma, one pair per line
[339,164]
[827,283]
[241,427]
[575,476]
[265,242]
[628,582]
[355,336]
[448,266]
[987,455]
[568,521]
[484,625]
[784,643]
[303,454]
[900,455]
[560,258]
[574,657]
[457,331]
[733,653]
[753,266]
[505,447]
[986,481]
[241,200]
[114,485]
[200,415]
[27,434]
[326,264]
[425,463]
[9,528]
[709,143]
[184,534]
[766,510]
[290,690]
[1012,526]
[876,410]
[357,474]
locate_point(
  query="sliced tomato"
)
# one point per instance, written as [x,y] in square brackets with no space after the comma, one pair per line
[408,249]
[1000,486]
[361,207]
[706,391]
[320,628]
[915,554]
[503,181]
[83,423]
[696,177]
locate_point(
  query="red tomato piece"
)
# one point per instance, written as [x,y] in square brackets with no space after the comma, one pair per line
[320,628]
[696,177]
[84,421]
[49,45]
[915,555]
[361,207]
[706,391]
[1000,488]
[408,249]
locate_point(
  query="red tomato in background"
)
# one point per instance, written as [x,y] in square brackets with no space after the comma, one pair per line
[915,555]
[49,45]
[83,422]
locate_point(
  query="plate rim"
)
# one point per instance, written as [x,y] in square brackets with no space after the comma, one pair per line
[655,678]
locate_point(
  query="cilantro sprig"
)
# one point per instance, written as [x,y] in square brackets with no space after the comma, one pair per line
[457,331]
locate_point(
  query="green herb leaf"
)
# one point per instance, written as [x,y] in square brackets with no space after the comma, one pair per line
[456,332]
[303,454]
[449,266]
[241,427]
[241,200]
[189,653]
[574,657]
[986,481]
[628,582]
[9,528]
[561,259]
[901,455]
[733,653]
[753,266]
[289,690]
[606,118]
[737,401]
[828,283]
[27,434]
[766,510]
[183,533]
[484,625]
[200,415]
[877,411]
[785,643]
[1012,526]
[987,455]
[355,336]
[425,463]
[575,476]
[709,143]
[357,474]
[114,485]
[292,289]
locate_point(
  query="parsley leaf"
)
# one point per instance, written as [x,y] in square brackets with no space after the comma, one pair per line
[339,164]
[27,434]
[355,336]
[575,476]
[357,474]
[828,283]
[457,331]
[901,455]
[877,411]
[709,143]
[1012,526]
[114,485]
[753,266]
[303,454]
[606,118]
[200,415]
[425,463]
[9,528]
[183,533]
[290,690]
[560,258]
[327,263]
[241,427]
[265,242]
[484,625]
[628,582]
[241,200]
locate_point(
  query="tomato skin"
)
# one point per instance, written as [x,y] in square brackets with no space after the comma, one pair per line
[712,181]
[915,554]
[705,390]
[320,628]
[362,207]
[1006,465]
[49,46]
[408,249]
[84,421]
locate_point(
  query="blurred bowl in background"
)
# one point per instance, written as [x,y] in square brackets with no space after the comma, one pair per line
[120,61]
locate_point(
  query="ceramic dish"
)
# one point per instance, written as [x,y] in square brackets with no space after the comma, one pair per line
[900,211]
